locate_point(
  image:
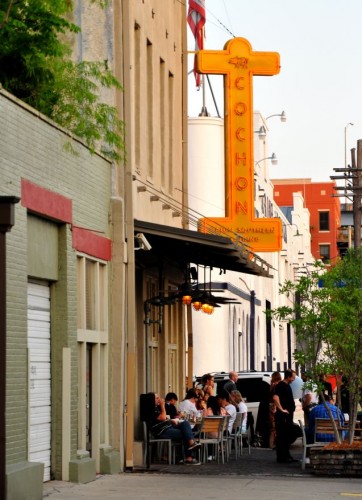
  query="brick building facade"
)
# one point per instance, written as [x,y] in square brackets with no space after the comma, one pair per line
[324,211]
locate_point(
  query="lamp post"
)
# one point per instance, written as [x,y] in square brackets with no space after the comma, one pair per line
[7,220]
[252,324]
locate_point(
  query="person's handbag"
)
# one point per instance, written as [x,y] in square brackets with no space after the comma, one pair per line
[295,432]
[159,428]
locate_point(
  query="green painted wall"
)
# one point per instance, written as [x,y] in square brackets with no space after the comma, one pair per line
[32,147]
[43,244]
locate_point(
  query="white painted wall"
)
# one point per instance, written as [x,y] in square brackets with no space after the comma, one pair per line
[214,336]
[206,182]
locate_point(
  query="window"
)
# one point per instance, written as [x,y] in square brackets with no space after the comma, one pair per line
[92,296]
[92,336]
[323,221]
[325,252]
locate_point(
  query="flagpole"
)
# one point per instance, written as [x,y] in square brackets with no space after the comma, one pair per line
[196,20]
[204,111]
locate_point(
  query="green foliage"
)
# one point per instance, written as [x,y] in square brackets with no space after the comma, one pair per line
[35,66]
[328,322]
[344,283]
[308,314]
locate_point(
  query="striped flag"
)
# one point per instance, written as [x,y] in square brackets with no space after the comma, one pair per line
[196,19]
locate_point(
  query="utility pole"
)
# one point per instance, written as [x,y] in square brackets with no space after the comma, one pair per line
[357,197]
[352,175]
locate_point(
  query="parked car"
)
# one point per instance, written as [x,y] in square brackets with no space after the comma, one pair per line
[254,386]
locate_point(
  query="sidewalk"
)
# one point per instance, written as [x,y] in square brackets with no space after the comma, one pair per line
[261,462]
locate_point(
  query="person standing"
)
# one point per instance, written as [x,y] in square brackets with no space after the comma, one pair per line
[231,383]
[285,407]
[274,381]
[209,384]
[327,386]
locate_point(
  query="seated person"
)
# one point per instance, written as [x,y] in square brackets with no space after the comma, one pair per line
[170,405]
[320,411]
[309,398]
[223,399]
[188,405]
[213,408]
[241,408]
[201,400]
[165,428]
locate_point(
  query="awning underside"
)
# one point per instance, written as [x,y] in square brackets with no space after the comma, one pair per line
[185,246]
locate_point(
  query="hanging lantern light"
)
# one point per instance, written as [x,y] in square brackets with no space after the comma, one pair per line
[197,305]
[207,308]
[186,300]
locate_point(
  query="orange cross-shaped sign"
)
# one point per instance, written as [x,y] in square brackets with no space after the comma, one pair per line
[239,63]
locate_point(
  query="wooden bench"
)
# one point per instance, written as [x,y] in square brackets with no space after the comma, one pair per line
[322,426]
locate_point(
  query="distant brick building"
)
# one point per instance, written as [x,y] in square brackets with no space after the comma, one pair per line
[324,212]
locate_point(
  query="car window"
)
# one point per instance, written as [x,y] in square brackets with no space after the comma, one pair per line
[220,384]
[250,388]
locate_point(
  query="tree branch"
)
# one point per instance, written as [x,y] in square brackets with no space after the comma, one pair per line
[7,15]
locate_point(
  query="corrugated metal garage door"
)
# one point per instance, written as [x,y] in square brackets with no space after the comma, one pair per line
[39,375]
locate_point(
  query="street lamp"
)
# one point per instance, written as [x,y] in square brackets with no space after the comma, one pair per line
[273,158]
[261,132]
[283,116]
[297,231]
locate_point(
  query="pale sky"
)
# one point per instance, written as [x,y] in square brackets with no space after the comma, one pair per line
[319,85]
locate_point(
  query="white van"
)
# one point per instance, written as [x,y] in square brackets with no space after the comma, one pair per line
[254,387]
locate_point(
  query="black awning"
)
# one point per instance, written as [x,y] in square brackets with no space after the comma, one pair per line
[185,246]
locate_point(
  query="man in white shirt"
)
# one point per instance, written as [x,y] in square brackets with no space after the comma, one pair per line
[223,400]
[309,398]
[188,404]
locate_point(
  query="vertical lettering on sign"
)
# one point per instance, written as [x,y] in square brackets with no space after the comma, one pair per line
[239,64]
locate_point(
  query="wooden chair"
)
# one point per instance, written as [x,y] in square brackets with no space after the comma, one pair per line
[246,434]
[212,425]
[225,437]
[235,436]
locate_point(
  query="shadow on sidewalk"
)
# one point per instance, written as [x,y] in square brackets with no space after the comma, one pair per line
[260,462]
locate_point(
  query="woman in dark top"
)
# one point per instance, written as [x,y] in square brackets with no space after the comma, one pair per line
[178,430]
[214,407]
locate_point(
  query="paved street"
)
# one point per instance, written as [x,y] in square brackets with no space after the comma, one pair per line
[257,476]
[180,487]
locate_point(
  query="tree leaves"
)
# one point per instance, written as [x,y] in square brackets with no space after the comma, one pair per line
[328,322]
[35,65]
